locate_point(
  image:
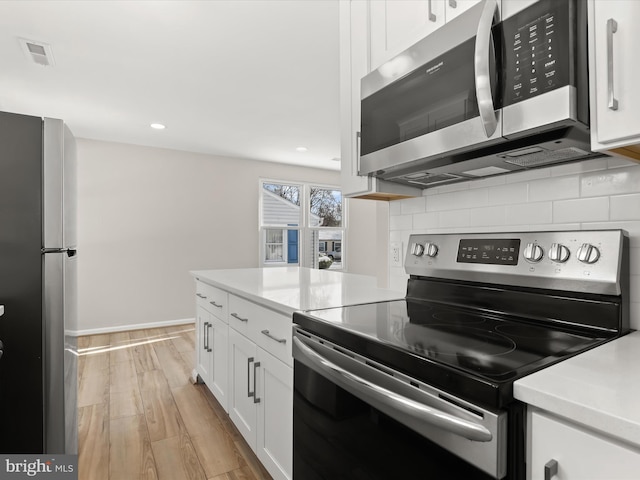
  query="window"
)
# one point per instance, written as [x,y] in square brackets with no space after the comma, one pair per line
[301,224]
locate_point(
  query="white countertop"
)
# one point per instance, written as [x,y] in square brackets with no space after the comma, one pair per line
[599,388]
[289,289]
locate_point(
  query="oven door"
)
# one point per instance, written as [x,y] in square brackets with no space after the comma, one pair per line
[439,96]
[355,419]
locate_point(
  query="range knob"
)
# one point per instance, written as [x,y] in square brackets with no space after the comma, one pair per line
[559,253]
[430,249]
[533,252]
[588,253]
[417,249]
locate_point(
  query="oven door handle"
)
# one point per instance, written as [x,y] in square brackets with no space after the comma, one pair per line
[378,395]
[484,48]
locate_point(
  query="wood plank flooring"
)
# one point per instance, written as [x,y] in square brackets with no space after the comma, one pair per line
[140,417]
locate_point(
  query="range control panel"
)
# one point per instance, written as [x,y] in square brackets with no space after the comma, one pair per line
[538,50]
[586,260]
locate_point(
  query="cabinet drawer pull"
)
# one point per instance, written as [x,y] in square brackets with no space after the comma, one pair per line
[612,27]
[550,469]
[279,340]
[215,304]
[255,376]
[201,295]
[453,4]
[235,315]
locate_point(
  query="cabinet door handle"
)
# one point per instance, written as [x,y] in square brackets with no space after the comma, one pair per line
[550,469]
[201,295]
[453,4]
[235,315]
[209,349]
[215,304]
[432,16]
[612,27]
[356,164]
[205,336]
[249,392]
[255,376]
[279,340]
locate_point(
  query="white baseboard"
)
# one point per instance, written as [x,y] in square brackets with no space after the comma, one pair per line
[124,328]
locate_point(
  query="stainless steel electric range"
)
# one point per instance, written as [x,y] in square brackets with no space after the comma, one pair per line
[423,387]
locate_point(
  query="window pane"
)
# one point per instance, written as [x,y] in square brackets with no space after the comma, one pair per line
[325,208]
[281,246]
[328,253]
[280,204]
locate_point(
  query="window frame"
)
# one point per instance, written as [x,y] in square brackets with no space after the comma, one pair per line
[305,230]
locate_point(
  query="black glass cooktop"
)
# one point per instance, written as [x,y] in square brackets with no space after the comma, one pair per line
[452,346]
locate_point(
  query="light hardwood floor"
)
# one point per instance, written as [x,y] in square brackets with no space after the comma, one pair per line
[139,416]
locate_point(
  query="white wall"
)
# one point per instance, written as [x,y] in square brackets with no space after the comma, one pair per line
[147,216]
[595,194]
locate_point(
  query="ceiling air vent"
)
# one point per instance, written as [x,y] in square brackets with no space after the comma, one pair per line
[37,52]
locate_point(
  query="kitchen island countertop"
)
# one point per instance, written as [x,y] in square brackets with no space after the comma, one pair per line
[598,389]
[290,289]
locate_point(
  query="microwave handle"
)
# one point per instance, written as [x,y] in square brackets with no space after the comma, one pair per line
[484,46]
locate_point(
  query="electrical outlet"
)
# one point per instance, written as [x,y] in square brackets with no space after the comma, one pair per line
[396,254]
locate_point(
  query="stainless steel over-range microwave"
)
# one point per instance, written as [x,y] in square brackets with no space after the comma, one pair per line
[501,87]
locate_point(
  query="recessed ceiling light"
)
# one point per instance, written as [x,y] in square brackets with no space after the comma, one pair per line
[301,149]
[158,126]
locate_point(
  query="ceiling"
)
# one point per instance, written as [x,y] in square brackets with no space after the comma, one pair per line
[244,78]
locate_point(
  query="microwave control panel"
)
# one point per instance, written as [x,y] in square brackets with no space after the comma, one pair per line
[537,53]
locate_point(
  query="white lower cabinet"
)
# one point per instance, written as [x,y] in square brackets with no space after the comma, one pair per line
[211,340]
[561,450]
[243,355]
[261,403]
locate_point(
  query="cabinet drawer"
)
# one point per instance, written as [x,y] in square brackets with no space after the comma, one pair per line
[268,329]
[213,300]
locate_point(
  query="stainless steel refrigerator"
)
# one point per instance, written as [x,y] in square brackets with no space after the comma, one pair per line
[38,286]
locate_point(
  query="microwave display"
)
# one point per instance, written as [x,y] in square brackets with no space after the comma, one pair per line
[537,58]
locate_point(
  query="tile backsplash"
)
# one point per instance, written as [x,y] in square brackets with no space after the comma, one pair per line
[594,194]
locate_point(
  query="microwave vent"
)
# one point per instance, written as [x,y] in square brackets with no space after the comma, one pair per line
[535,157]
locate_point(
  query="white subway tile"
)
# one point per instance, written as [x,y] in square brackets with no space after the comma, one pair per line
[488,182]
[555,227]
[634,261]
[584,166]
[527,175]
[625,207]
[581,210]
[395,207]
[401,222]
[527,213]
[611,182]
[509,194]
[413,205]
[454,187]
[617,162]
[488,216]
[454,218]
[458,200]
[426,220]
[554,188]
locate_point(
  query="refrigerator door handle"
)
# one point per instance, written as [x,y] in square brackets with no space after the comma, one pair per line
[71,252]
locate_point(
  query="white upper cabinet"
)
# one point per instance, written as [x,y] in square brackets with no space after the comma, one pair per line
[398,24]
[614,71]
[456,7]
